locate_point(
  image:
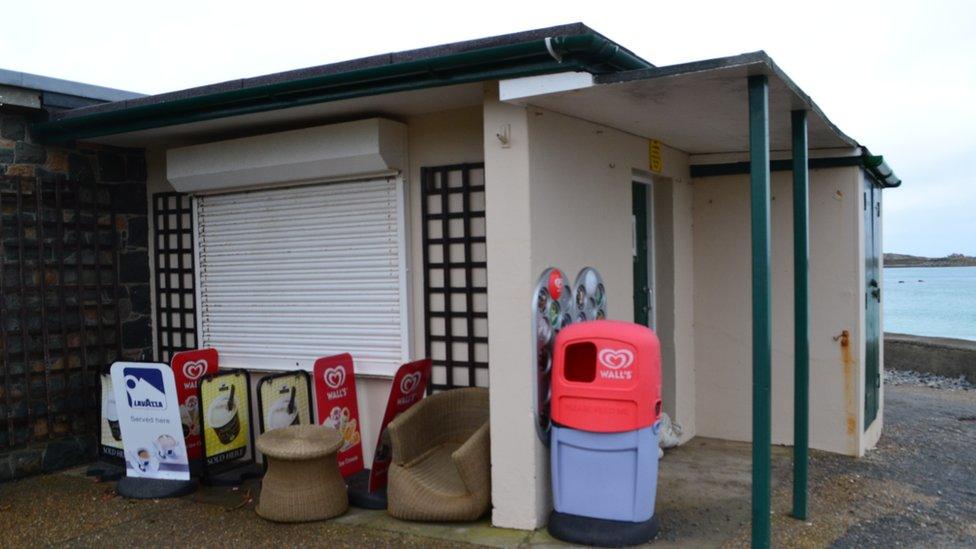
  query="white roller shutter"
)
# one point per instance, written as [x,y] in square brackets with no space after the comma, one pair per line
[290,275]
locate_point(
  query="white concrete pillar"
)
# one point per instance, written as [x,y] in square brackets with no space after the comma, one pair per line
[519,472]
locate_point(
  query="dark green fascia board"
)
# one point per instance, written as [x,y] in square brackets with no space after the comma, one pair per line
[587,52]
[881,171]
[877,170]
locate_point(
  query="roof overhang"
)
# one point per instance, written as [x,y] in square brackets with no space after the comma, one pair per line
[700,108]
[556,49]
[395,106]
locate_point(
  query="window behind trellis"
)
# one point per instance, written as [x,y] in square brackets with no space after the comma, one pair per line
[455,274]
[175,290]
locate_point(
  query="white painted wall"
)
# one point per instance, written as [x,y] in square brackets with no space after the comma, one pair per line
[674,278]
[559,194]
[436,139]
[447,137]
[722,260]
[581,176]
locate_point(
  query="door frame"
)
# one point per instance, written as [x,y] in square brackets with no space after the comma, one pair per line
[645,182]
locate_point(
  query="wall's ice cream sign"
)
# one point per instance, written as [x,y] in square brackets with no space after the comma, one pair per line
[409,387]
[335,397]
[189,367]
[149,425]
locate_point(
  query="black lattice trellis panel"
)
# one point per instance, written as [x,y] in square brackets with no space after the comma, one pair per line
[455,275]
[58,315]
[175,289]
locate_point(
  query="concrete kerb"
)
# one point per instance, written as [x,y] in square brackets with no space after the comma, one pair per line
[931,355]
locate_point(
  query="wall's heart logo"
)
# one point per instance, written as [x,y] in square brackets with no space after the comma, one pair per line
[335,377]
[194,369]
[616,359]
[410,382]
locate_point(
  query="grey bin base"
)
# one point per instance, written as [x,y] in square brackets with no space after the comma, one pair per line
[601,532]
[154,488]
[359,494]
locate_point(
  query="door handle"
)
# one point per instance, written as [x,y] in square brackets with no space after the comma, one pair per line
[877,294]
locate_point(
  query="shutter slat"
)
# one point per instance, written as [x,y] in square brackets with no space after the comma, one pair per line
[290,275]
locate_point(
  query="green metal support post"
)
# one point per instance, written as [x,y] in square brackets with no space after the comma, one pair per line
[801,313]
[762,341]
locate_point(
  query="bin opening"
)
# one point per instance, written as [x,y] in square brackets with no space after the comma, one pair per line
[580,363]
[657,410]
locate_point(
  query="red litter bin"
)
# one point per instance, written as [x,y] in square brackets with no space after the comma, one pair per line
[606,377]
[606,400]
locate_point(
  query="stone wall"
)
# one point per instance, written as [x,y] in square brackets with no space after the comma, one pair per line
[74,221]
[941,356]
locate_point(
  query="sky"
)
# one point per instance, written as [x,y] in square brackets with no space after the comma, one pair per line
[900,77]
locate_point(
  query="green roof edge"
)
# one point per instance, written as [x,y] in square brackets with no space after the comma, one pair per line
[582,52]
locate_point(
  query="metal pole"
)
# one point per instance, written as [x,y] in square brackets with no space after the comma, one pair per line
[801,312]
[762,341]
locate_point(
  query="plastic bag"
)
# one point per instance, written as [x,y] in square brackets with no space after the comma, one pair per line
[670,432]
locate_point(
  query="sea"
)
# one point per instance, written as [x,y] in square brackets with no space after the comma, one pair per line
[930,301]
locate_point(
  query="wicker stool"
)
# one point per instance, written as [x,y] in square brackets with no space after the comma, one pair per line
[303,481]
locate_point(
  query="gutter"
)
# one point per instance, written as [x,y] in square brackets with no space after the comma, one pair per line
[874,165]
[586,52]
[877,167]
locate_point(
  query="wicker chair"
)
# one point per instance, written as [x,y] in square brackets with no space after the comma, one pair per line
[441,468]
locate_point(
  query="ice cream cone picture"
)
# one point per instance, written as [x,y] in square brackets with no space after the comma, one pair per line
[340,419]
[190,416]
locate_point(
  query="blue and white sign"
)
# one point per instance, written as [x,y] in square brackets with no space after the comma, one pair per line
[152,432]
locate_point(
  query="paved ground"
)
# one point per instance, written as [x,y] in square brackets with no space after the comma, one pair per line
[917,488]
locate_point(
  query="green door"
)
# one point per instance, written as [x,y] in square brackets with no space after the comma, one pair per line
[642,276]
[872,299]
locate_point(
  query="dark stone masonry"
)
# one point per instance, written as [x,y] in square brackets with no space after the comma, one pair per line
[75,291]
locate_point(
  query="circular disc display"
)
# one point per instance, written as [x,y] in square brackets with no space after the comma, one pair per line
[589,296]
[552,309]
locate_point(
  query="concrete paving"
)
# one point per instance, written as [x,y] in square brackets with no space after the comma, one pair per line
[918,487]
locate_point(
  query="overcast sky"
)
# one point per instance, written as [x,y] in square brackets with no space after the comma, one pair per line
[899,77]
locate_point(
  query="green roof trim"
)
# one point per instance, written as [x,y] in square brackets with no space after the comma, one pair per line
[875,166]
[589,52]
